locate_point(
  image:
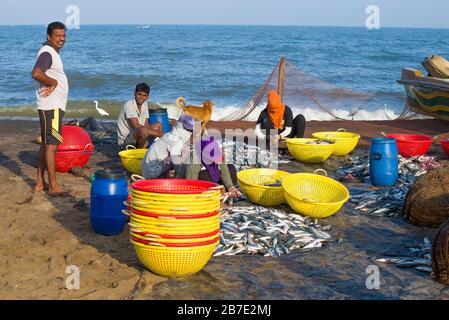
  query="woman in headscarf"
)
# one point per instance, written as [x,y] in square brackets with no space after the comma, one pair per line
[277,116]
[207,164]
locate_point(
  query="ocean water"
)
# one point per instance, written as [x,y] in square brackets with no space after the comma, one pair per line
[226,64]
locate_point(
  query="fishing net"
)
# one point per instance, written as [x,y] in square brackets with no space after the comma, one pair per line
[427,202]
[305,91]
[440,254]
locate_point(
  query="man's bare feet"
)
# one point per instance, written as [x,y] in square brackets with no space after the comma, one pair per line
[41,187]
[58,192]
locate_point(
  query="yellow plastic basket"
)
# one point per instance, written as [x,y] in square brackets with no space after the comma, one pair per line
[174,223]
[310,153]
[178,210]
[346,142]
[132,160]
[158,239]
[253,183]
[174,262]
[314,195]
[174,231]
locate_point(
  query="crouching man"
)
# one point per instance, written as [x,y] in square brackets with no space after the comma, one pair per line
[132,125]
[165,153]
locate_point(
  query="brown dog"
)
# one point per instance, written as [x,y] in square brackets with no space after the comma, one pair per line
[202,114]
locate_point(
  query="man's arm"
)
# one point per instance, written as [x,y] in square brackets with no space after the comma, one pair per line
[44,63]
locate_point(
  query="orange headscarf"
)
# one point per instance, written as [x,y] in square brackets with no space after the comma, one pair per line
[275,109]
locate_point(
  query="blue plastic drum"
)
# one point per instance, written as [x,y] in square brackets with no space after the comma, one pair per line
[108,192]
[384,162]
[161,116]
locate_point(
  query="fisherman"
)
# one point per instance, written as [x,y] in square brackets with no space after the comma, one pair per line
[132,125]
[277,116]
[52,92]
[166,154]
[212,167]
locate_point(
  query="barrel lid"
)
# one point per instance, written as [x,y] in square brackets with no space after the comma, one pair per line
[383,140]
[160,110]
[110,174]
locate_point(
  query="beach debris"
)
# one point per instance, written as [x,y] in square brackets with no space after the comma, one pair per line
[384,202]
[419,258]
[268,231]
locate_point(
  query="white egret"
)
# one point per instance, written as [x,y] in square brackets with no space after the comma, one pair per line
[102,112]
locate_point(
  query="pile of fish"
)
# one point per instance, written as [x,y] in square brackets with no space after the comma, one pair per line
[324,142]
[420,258]
[386,202]
[244,155]
[268,231]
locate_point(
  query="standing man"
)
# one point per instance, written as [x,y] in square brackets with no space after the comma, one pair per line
[52,91]
[132,124]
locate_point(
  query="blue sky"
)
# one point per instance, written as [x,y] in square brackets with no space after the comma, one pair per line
[394,13]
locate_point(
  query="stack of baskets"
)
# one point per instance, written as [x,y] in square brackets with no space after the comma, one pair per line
[175,224]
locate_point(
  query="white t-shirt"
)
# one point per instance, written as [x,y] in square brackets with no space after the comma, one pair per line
[129,111]
[58,98]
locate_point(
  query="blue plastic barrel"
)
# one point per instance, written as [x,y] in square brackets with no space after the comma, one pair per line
[384,162]
[160,115]
[108,192]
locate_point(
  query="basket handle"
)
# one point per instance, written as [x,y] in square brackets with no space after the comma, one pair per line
[384,134]
[136,177]
[321,170]
[89,147]
[341,130]
[130,147]
[156,244]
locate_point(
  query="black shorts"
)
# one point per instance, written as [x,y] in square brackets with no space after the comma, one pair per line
[51,126]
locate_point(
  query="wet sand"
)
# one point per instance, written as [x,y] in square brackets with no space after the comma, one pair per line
[41,236]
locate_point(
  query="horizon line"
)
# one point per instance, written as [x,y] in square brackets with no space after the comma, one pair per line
[231,25]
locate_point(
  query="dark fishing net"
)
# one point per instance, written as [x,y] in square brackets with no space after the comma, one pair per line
[427,202]
[302,90]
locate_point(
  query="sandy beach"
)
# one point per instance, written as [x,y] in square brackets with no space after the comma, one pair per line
[42,236]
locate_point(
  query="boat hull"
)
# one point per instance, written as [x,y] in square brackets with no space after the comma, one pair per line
[428,96]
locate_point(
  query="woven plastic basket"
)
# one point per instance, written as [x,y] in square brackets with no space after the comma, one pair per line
[254,185]
[132,160]
[174,262]
[346,142]
[314,195]
[310,153]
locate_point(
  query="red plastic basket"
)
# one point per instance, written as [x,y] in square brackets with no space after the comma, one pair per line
[66,160]
[74,138]
[168,236]
[445,145]
[410,145]
[173,186]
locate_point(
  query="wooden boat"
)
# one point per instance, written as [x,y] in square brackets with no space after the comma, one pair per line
[426,95]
